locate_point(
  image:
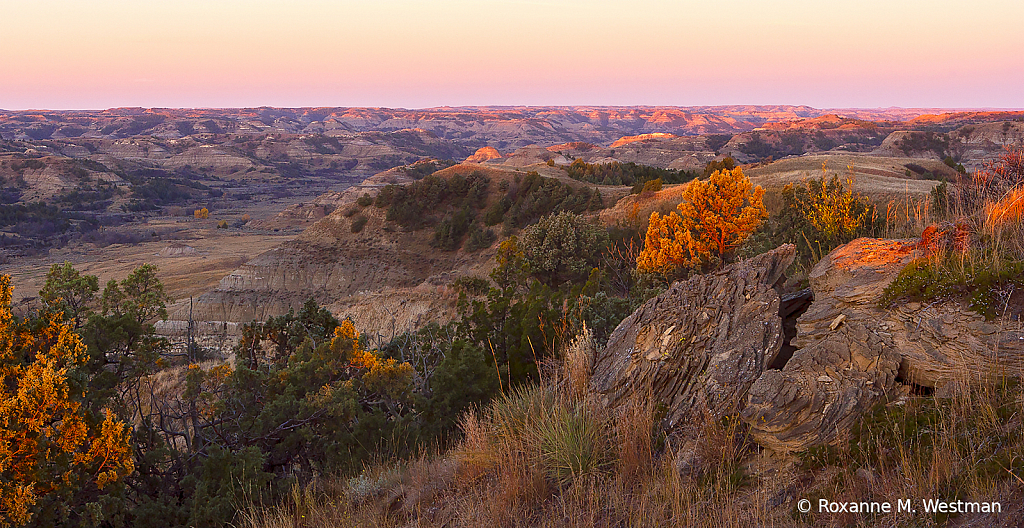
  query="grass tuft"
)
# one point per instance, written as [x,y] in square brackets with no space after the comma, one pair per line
[573,443]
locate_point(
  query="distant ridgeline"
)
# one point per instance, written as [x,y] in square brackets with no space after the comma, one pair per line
[458,206]
[93,201]
[631,174]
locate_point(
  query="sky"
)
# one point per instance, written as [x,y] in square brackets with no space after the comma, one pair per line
[95,54]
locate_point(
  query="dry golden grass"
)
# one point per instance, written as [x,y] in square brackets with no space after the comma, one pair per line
[907,217]
[1004,221]
[545,455]
[968,445]
[576,364]
[1009,209]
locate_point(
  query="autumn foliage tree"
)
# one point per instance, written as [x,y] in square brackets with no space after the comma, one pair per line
[715,217]
[54,452]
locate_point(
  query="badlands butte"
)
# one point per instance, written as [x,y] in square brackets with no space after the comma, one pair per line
[292,194]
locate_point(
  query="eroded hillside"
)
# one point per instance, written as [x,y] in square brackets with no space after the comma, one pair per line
[390,268]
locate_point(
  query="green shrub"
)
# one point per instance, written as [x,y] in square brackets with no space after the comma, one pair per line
[418,171]
[162,191]
[465,378]
[563,248]
[495,214]
[472,285]
[916,141]
[952,163]
[823,142]
[533,196]
[449,233]
[358,223]
[480,238]
[940,199]
[425,202]
[631,174]
[713,166]
[652,186]
[33,164]
[365,200]
[519,411]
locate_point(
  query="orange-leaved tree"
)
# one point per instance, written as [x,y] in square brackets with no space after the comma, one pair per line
[51,448]
[716,215]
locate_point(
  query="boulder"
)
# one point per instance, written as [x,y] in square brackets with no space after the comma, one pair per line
[698,346]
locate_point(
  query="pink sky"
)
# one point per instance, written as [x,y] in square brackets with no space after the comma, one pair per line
[81,54]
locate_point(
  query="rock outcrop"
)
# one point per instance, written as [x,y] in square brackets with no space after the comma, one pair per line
[711,345]
[701,344]
[852,354]
[177,250]
[845,360]
[483,154]
[822,389]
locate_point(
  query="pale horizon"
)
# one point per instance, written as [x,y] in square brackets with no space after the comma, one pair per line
[418,54]
[519,106]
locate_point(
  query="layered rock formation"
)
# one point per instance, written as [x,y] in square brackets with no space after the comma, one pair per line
[711,345]
[506,128]
[338,269]
[852,354]
[700,345]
